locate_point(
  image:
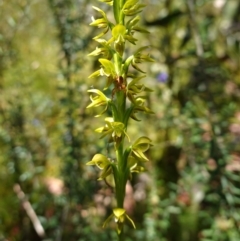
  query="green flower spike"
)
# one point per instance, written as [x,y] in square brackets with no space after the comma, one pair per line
[119,215]
[98,100]
[124,84]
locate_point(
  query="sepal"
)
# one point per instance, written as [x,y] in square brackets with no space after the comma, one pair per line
[109,2]
[108,68]
[94,74]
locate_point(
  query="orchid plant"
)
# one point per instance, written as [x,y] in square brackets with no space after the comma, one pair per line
[123,77]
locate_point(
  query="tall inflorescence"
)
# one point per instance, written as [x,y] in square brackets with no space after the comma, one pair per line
[128,94]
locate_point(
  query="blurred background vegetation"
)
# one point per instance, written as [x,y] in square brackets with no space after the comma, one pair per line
[191,190]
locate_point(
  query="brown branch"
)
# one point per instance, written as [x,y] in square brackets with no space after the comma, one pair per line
[29,210]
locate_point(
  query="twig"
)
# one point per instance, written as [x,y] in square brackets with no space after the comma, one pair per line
[29,210]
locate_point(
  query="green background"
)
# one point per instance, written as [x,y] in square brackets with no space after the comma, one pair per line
[191,189]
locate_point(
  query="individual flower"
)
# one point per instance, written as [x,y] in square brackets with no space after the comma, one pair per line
[134,166]
[115,129]
[105,50]
[135,88]
[139,57]
[101,23]
[140,146]
[99,99]
[119,215]
[132,7]
[140,107]
[103,163]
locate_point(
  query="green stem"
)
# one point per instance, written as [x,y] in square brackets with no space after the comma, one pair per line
[121,15]
[121,236]
[117,63]
[121,105]
[120,190]
[116,10]
[118,14]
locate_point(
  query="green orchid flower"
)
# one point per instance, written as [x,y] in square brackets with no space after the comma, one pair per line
[101,23]
[105,50]
[108,68]
[132,7]
[103,163]
[138,58]
[140,146]
[98,100]
[116,130]
[134,166]
[120,216]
